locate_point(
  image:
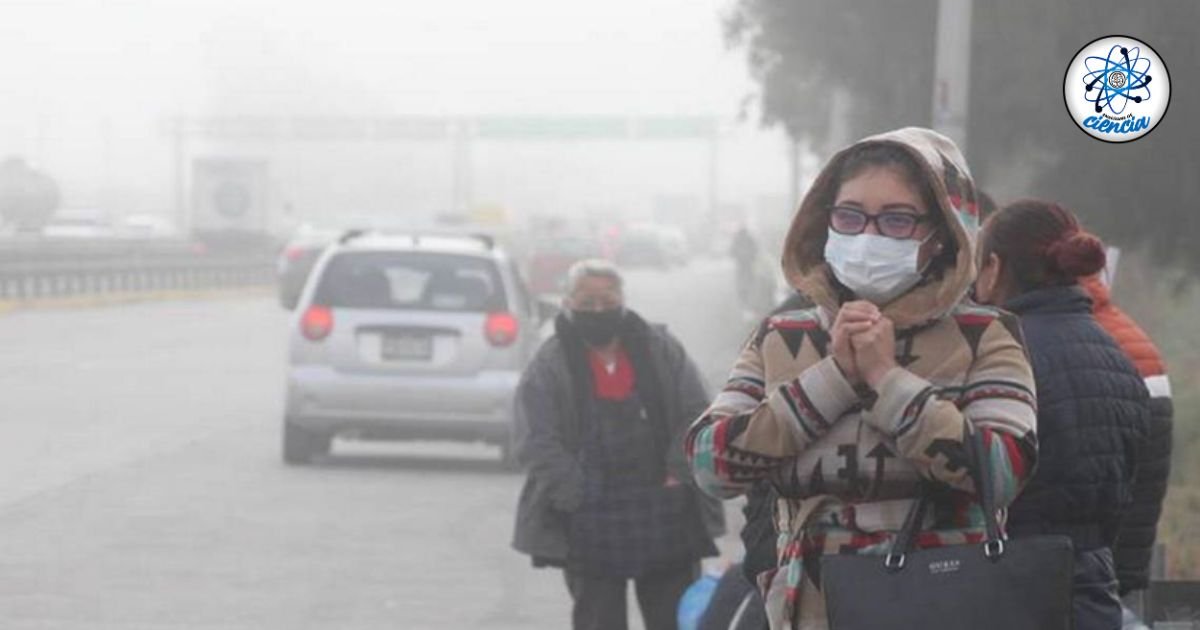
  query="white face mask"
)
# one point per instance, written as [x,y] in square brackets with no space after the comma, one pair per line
[877,268]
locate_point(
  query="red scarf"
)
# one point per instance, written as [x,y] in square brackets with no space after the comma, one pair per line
[618,384]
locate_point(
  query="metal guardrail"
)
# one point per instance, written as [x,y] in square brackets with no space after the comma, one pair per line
[35,247]
[38,268]
[23,281]
[1166,604]
[1173,605]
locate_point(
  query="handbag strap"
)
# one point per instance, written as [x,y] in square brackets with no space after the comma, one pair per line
[908,531]
[981,474]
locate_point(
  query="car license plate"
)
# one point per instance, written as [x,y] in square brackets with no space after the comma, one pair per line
[407,348]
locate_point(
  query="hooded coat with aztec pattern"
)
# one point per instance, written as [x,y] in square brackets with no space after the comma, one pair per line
[848,461]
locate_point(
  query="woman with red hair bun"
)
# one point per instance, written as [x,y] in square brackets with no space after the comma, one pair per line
[1093,408]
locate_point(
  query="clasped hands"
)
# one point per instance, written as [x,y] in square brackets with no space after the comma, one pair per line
[864,343]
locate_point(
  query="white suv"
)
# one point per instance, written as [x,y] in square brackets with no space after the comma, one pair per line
[407,337]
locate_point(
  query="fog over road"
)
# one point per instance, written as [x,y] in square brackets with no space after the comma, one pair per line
[143,486]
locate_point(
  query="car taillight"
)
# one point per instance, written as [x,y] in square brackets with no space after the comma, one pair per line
[317,323]
[294,253]
[501,329]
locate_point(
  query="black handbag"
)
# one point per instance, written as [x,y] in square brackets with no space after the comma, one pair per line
[1001,584]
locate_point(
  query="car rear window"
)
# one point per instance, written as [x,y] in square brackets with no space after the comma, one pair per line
[411,281]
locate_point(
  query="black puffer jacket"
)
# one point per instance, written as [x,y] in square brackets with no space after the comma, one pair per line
[1092,416]
[1135,544]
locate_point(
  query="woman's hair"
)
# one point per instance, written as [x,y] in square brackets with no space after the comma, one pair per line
[1041,244]
[882,155]
[900,161]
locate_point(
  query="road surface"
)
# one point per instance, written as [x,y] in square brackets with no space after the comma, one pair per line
[143,487]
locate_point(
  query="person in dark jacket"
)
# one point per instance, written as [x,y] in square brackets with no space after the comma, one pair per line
[1135,543]
[745,252]
[1092,404]
[600,415]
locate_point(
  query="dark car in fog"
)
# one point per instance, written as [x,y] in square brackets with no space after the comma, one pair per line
[552,257]
[296,261]
[407,337]
[654,246]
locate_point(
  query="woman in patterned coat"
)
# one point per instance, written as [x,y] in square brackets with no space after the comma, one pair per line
[845,407]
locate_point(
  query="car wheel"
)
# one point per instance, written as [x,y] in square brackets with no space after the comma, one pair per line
[301,446]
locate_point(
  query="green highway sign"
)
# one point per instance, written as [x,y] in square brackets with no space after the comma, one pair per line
[432,128]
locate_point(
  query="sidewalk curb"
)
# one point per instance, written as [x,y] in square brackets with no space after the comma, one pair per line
[139,297]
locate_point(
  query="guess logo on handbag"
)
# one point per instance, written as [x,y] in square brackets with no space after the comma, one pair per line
[943,566]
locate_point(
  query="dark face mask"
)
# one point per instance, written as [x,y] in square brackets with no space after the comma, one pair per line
[598,328]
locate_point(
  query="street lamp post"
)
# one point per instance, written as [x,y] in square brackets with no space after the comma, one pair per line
[952,70]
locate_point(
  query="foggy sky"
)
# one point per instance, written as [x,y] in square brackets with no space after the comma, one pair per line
[89,86]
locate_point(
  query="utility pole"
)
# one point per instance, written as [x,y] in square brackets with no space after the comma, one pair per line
[461,139]
[713,176]
[179,159]
[795,151]
[952,70]
[840,106]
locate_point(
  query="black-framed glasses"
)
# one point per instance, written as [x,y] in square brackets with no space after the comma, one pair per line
[852,221]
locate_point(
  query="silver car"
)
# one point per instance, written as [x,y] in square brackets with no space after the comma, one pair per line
[407,337]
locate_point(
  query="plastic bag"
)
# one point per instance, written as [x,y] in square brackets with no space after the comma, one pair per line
[695,601]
